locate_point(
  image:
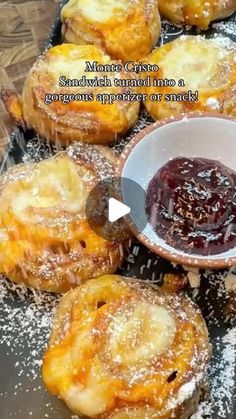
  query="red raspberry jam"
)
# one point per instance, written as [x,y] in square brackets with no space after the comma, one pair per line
[191,204]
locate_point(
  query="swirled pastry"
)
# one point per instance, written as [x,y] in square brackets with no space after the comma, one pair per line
[122,349]
[77,115]
[204,71]
[126,29]
[45,239]
[196,12]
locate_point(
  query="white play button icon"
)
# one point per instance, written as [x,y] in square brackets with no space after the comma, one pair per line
[108,204]
[116,210]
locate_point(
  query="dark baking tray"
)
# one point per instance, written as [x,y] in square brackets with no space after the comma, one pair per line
[25,315]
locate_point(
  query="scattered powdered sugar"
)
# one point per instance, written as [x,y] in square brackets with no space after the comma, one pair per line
[37,149]
[144,121]
[26,315]
[222,379]
[223,42]
[215,297]
[185,392]
[229,28]
[25,322]
[194,278]
[230,282]
[213,103]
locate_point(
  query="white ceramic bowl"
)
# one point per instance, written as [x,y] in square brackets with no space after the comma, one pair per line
[206,135]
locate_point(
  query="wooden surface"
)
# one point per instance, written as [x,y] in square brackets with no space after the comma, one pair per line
[24,26]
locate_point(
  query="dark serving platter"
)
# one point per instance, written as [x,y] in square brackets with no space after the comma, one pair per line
[26,315]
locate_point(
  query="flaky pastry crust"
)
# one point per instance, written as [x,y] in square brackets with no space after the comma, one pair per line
[120,348]
[45,239]
[126,29]
[86,121]
[205,66]
[196,12]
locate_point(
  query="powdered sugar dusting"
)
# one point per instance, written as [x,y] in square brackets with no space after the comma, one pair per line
[229,27]
[217,300]
[223,386]
[26,318]
[25,323]
[144,121]
[26,315]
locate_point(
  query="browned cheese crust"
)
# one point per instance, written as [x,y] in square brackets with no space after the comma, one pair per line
[45,240]
[126,29]
[197,65]
[196,12]
[64,120]
[123,349]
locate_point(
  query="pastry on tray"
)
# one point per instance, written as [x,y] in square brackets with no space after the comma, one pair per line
[122,349]
[196,12]
[203,72]
[58,104]
[46,241]
[126,29]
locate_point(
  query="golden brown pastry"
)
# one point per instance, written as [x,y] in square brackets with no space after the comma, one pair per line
[126,29]
[45,240]
[122,349]
[77,117]
[196,12]
[206,67]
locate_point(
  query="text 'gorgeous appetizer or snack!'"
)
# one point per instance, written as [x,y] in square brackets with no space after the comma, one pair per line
[62,112]
[191,204]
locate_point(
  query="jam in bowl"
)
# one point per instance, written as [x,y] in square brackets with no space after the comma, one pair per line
[191,204]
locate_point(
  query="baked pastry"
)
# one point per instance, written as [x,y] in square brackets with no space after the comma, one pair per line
[196,12]
[204,74]
[120,348]
[126,29]
[77,115]
[46,241]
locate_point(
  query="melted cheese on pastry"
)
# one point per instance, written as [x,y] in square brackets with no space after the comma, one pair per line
[70,60]
[115,344]
[140,333]
[45,239]
[97,10]
[207,66]
[196,12]
[85,120]
[197,62]
[126,29]
[42,189]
